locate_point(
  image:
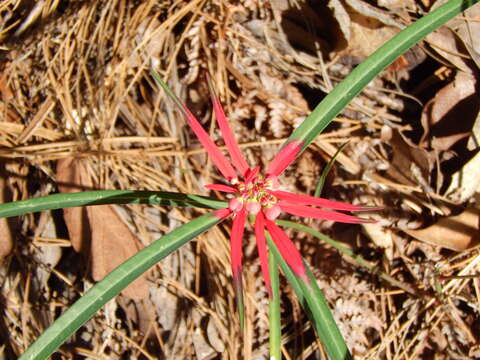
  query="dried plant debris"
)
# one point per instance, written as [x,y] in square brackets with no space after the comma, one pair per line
[79,111]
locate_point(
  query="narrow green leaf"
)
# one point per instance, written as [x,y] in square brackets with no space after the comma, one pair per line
[102,197]
[112,285]
[165,87]
[344,92]
[350,253]
[326,170]
[274,313]
[314,303]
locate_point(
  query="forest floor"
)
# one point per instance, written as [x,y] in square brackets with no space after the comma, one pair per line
[78,105]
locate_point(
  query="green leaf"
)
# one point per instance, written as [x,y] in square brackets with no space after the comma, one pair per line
[326,170]
[346,251]
[112,284]
[274,312]
[313,301]
[344,92]
[102,197]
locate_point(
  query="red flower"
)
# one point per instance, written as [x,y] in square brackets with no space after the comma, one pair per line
[260,195]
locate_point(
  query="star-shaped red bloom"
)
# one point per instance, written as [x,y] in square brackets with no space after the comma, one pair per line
[260,195]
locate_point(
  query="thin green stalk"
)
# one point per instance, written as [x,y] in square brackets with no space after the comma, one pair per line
[348,252]
[326,170]
[102,197]
[314,303]
[274,310]
[112,284]
[345,91]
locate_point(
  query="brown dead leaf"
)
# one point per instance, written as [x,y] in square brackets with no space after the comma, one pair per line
[466,181]
[99,227]
[467,29]
[372,12]
[444,42]
[6,239]
[112,244]
[5,92]
[396,5]
[456,233]
[368,30]
[441,115]
[410,164]
[72,176]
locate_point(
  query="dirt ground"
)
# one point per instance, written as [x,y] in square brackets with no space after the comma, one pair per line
[78,105]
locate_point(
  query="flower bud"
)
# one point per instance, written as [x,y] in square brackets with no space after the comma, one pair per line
[273,212]
[235,205]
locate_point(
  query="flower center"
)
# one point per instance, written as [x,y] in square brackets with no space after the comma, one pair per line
[254,195]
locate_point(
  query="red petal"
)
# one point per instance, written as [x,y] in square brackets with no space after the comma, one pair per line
[217,157]
[237,157]
[284,158]
[238,229]
[316,201]
[287,249]
[306,211]
[222,213]
[262,249]
[251,173]
[221,187]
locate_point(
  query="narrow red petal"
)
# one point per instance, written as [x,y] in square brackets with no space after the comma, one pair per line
[250,175]
[284,158]
[238,229]
[217,157]
[310,212]
[287,249]
[222,213]
[262,249]
[316,201]
[238,159]
[221,187]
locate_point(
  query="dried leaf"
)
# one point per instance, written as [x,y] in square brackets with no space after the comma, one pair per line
[467,29]
[5,92]
[456,233]
[367,10]
[411,164]
[368,29]
[381,236]
[396,4]
[112,244]
[445,43]
[466,182]
[341,15]
[72,176]
[440,115]
[6,239]
[100,227]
